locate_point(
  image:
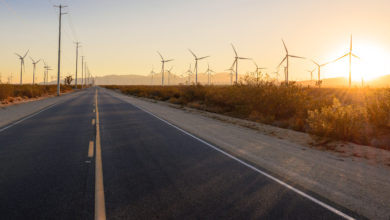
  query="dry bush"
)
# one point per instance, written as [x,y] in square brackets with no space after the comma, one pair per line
[345,122]
[28,91]
[378,108]
[339,113]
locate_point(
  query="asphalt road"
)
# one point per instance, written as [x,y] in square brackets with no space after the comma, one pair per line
[151,170]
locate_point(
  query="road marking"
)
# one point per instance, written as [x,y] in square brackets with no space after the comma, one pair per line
[100,209]
[90,149]
[30,116]
[93,121]
[328,207]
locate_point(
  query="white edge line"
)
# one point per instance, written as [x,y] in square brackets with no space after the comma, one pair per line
[330,208]
[30,116]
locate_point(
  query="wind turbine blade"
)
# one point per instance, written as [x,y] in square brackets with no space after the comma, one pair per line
[234,63]
[193,54]
[18,55]
[282,61]
[168,60]
[324,64]
[162,58]
[285,47]
[38,61]
[32,60]
[203,58]
[244,58]
[26,53]
[235,52]
[255,64]
[296,57]
[315,63]
[340,58]
[355,56]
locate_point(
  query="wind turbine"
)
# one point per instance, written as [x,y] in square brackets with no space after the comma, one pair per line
[257,70]
[350,55]
[231,72]
[163,61]
[319,70]
[286,58]
[22,65]
[311,74]
[236,58]
[169,75]
[34,68]
[196,64]
[152,73]
[189,72]
[209,71]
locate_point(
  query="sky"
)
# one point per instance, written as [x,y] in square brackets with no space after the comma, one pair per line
[122,36]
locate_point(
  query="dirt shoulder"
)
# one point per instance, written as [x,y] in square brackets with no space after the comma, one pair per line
[354,176]
[10,113]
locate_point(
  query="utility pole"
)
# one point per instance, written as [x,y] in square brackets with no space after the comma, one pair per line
[77,61]
[82,71]
[59,46]
[85,73]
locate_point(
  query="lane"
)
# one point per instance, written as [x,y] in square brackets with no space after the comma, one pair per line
[43,169]
[152,170]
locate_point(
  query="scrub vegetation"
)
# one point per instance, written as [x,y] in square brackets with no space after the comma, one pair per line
[10,93]
[360,115]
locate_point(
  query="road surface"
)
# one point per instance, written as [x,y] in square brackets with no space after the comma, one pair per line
[53,164]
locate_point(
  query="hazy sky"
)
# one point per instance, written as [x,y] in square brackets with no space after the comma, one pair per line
[122,36]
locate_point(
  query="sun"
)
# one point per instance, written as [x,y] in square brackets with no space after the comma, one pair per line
[371,64]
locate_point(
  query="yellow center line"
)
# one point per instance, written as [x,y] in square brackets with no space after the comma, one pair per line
[100,209]
[90,150]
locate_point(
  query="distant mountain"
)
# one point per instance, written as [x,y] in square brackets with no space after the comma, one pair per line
[220,78]
[223,79]
[383,81]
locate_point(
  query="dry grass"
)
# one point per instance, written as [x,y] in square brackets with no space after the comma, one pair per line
[357,115]
[10,93]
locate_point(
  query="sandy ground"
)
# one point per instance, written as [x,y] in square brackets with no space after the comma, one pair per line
[354,176]
[14,111]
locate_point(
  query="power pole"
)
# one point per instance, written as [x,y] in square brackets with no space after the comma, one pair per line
[82,71]
[85,73]
[77,61]
[59,46]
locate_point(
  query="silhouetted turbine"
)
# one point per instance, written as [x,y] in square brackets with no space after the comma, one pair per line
[22,65]
[196,64]
[163,61]
[286,58]
[236,58]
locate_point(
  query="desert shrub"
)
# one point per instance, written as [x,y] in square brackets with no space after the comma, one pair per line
[378,108]
[339,113]
[338,121]
[29,91]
